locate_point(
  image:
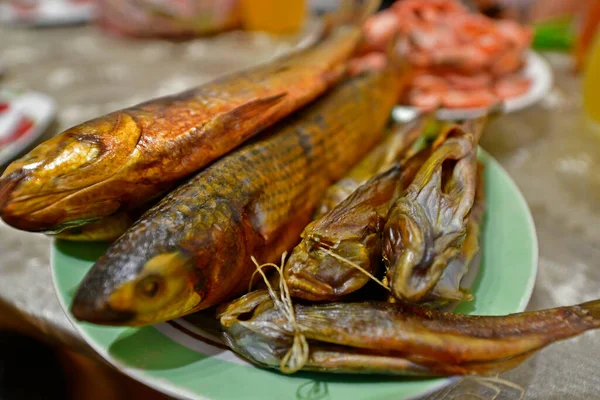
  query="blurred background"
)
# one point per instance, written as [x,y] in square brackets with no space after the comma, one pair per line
[66,61]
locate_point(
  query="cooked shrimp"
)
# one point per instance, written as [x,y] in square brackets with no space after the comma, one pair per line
[465,52]
[469,82]
[379,29]
[511,86]
[370,62]
[468,99]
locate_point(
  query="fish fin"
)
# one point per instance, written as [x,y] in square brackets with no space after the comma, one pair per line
[256,107]
[246,120]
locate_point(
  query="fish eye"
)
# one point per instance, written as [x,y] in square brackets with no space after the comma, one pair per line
[150,287]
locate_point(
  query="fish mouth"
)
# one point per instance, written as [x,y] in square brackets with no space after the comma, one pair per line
[17,211]
[104,315]
[7,185]
[308,287]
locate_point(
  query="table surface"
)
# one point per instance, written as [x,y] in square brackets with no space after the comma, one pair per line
[551,150]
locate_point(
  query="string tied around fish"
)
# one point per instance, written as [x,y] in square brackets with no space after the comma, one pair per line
[354,265]
[297,356]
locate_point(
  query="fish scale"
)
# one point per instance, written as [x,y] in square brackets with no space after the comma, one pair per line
[253,202]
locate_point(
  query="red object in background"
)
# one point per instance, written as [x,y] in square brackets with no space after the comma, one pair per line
[168,18]
[25,4]
[25,9]
[24,125]
[47,12]
[3,107]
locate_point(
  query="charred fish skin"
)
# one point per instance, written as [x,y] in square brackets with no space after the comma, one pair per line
[252,202]
[116,162]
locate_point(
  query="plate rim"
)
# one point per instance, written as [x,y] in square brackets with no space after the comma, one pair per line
[178,392]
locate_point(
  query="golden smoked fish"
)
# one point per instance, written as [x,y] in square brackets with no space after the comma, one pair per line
[120,161]
[193,249]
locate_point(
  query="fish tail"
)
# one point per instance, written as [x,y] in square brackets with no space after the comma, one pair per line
[593,310]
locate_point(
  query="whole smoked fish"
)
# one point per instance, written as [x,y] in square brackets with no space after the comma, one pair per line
[119,161]
[193,249]
[385,338]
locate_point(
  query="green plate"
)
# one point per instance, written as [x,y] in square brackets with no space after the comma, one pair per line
[179,359]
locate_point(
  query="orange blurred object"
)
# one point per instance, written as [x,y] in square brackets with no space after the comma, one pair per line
[591,80]
[590,24]
[274,16]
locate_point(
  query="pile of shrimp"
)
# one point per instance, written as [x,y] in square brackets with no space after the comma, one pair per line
[461,59]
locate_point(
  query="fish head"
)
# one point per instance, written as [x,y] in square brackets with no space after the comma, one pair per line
[426,226]
[318,271]
[165,287]
[46,190]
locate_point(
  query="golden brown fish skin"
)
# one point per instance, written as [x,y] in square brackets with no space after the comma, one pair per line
[397,141]
[253,202]
[118,161]
[398,338]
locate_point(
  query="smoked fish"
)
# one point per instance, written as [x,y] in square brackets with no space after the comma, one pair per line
[193,249]
[386,338]
[122,160]
[426,226]
[341,251]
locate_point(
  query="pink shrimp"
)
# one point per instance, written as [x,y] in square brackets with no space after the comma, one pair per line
[519,36]
[431,38]
[379,29]
[467,58]
[468,99]
[417,6]
[428,83]
[369,62]
[508,62]
[470,26]
[469,82]
[511,86]
[425,101]
[458,55]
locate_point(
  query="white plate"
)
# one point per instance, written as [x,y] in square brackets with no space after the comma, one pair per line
[39,107]
[536,69]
